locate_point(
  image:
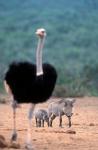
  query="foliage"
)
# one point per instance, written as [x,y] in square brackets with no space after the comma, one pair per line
[71,44]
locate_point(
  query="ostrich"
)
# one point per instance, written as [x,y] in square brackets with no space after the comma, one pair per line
[30,83]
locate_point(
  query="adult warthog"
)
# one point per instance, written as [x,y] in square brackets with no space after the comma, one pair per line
[60,108]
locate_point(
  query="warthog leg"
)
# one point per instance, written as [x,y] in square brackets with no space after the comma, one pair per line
[69,118]
[52,117]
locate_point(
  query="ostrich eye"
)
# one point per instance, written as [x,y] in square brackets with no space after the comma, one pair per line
[43,31]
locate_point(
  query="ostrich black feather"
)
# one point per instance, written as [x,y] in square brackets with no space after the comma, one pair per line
[26,87]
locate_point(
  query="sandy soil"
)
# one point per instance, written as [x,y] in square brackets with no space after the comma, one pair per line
[84,123]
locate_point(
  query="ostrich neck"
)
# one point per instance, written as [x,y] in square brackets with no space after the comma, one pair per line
[39,67]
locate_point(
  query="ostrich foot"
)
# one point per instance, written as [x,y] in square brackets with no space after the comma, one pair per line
[14,136]
[14,145]
[29,146]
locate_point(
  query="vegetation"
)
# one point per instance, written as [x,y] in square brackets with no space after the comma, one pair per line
[71,44]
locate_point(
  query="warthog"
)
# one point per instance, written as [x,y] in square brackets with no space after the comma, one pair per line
[41,115]
[60,108]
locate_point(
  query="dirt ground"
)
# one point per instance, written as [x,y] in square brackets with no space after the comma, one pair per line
[84,123]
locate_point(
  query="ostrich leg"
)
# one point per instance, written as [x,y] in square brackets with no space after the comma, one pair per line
[29,131]
[14,134]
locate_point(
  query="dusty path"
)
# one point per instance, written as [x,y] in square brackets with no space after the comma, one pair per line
[84,123]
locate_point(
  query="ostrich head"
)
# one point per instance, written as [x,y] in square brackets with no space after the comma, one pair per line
[41,32]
